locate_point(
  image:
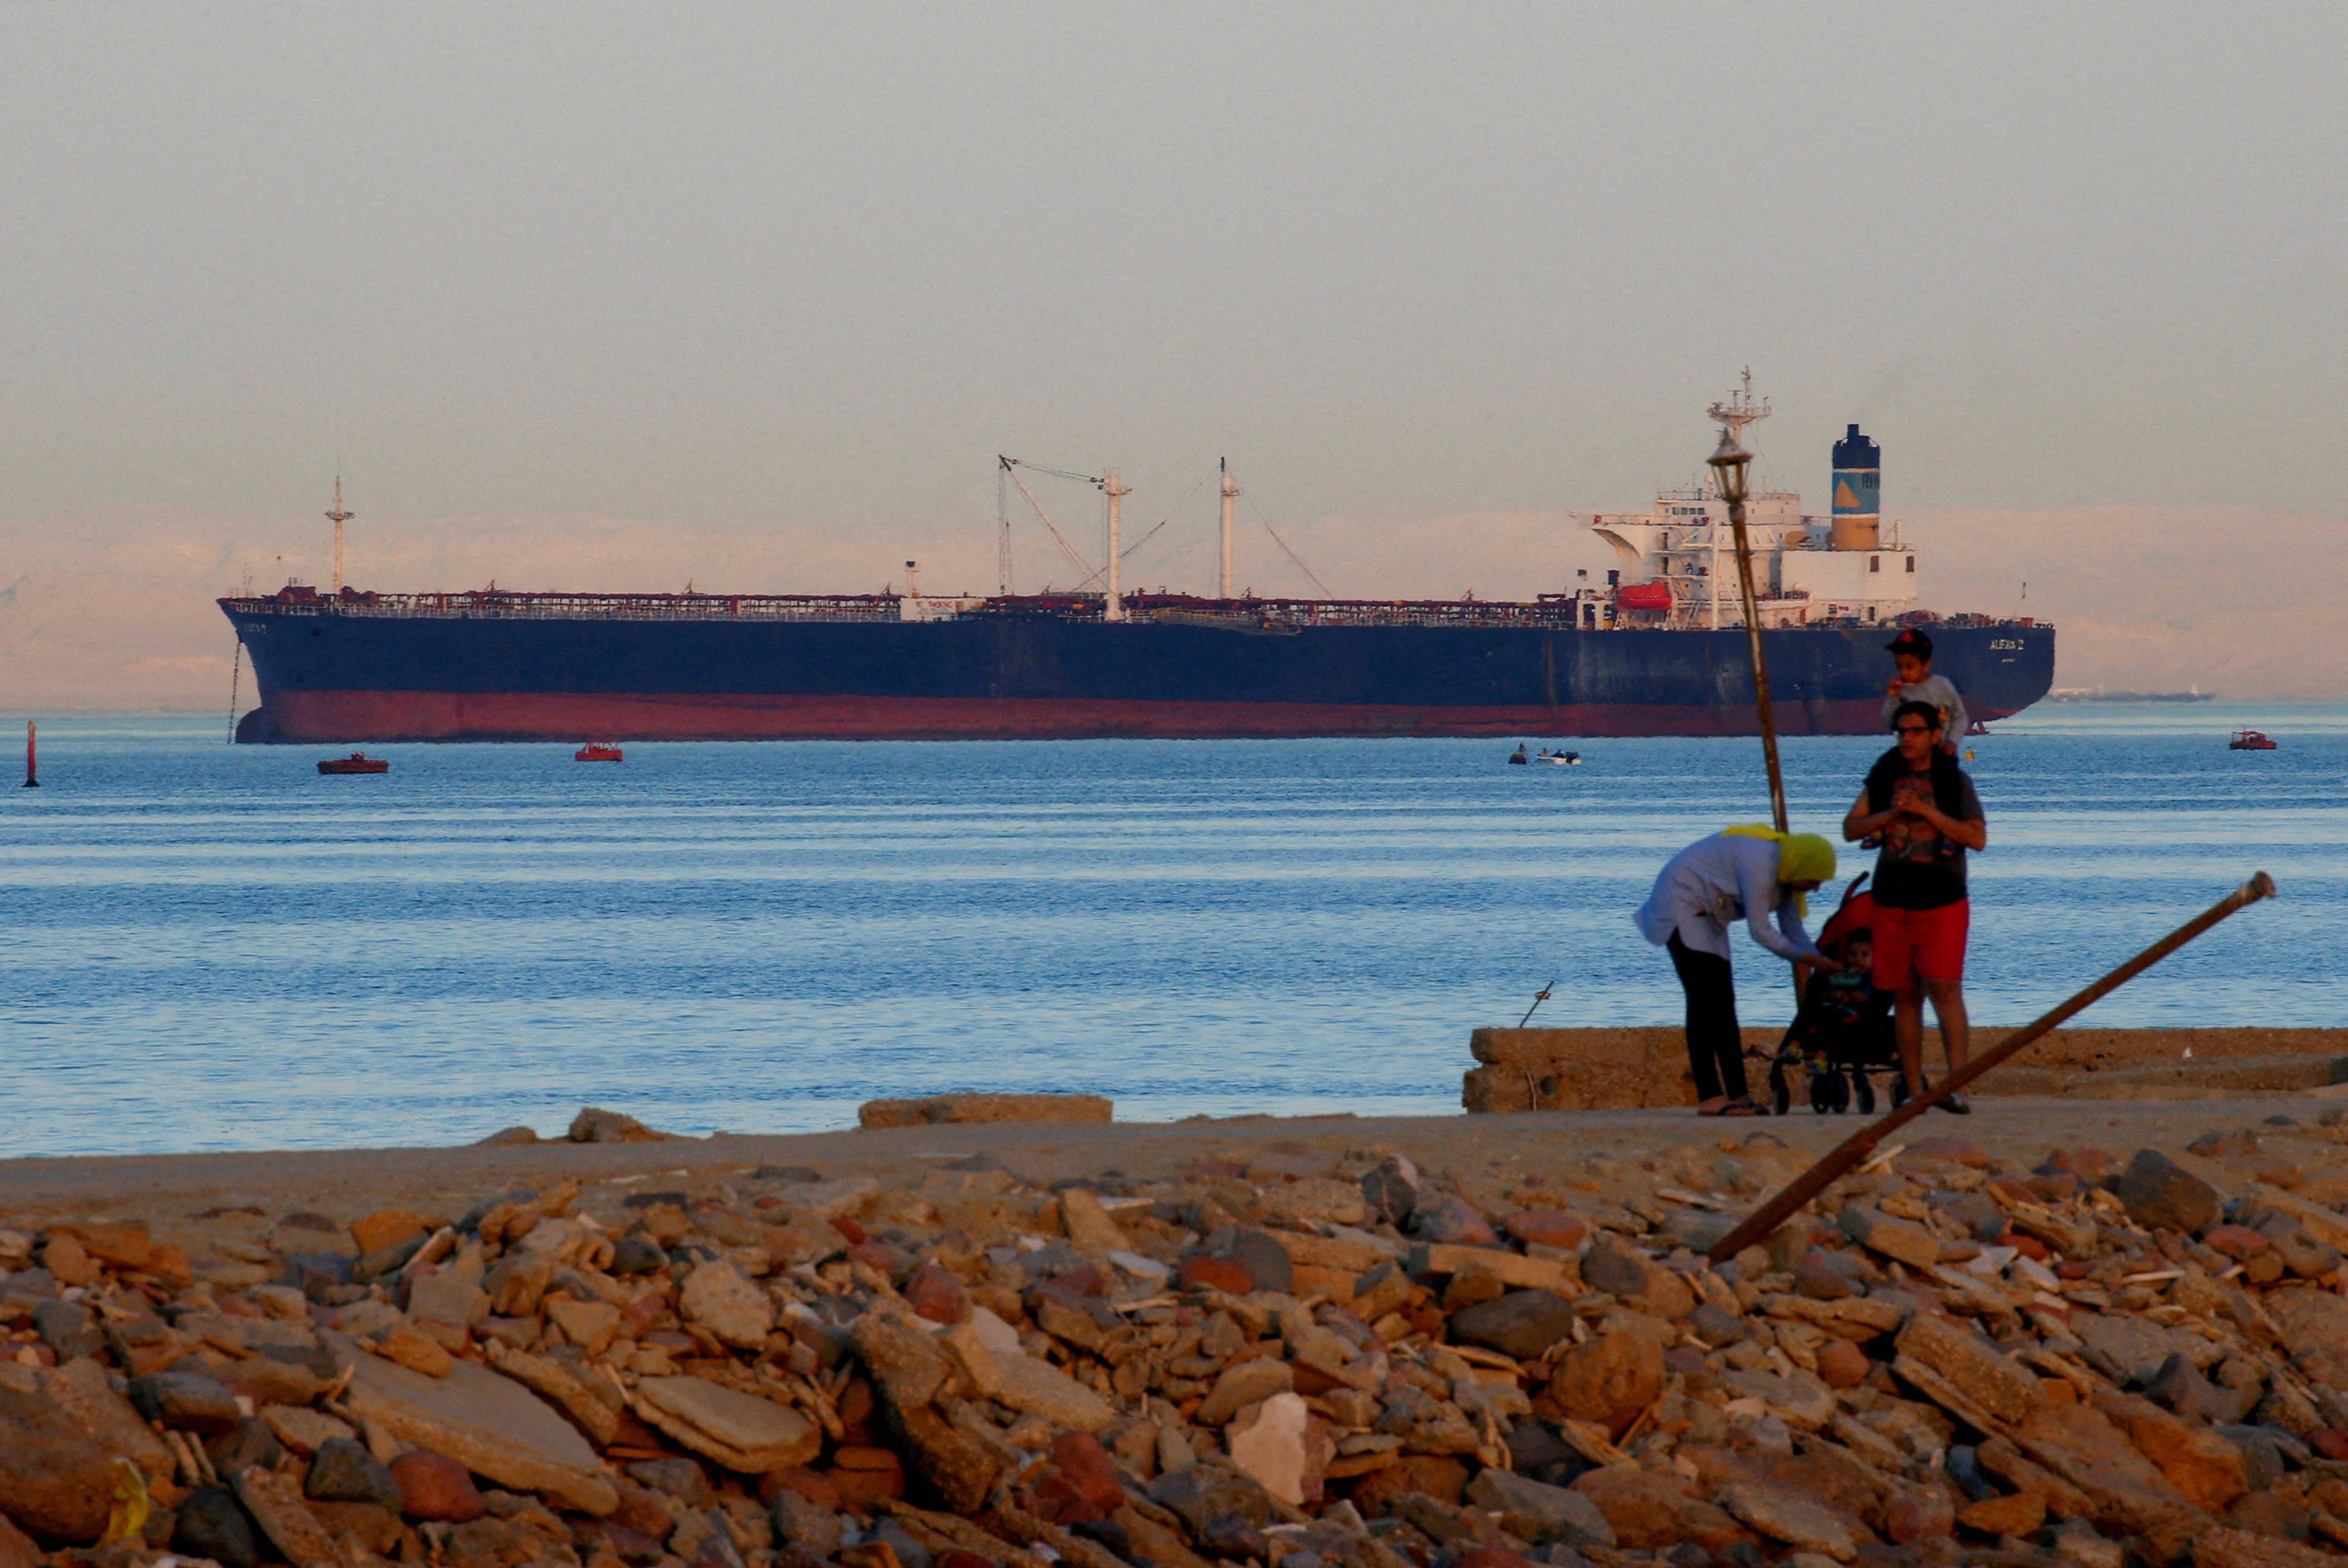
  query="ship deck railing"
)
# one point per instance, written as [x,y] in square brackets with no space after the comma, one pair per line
[1239,614]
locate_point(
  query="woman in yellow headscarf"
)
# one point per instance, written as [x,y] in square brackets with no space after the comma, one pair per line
[1747,874]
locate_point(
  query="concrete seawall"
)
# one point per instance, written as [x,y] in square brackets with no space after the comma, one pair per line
[1628,1068]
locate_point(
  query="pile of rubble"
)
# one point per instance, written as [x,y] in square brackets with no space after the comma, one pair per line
[1951,1359]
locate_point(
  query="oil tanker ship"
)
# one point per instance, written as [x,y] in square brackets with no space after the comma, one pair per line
[1658,647]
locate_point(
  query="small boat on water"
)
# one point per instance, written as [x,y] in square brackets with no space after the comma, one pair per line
[1562,759]
[598,751]
[356,762]
[2250,741]
[1519,758]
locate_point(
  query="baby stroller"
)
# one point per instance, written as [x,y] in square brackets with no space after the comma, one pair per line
[1842,1031]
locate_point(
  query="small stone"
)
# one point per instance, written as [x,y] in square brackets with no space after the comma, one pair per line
[688,1482]
[593,1125]
[432,1486]
[1437,1476]
[252,1443]
[589,1325]
[1473,1286]
[934,1294]
[303,1430]
[1536,1511]
[1976,1369]
[1819,1280]
[212,1523]
[1200,1271]
[1610,1381]
[742,1432]
[53,1480]
[402,1343]
[1241,1384]
[2225,1548]
[2021,1513]
[1650,1512]
[2180,1386]
[1090,1230]
[1268,1264]
[719,1299]
[1082,1484]
[385,1228]
[1919,1513]
[1801,1400]
[2078,1542]
[2235,1241]
[636,1256]
[2161,1195]
[505,1136]
[17,1550]
[1633,1277]
[1879,1232]
[70,1328]
[377,1528]
[1447,1217]
[64,1257]
[1316,1200]
[1547,1228]
[800,1522]
[1283,1449]
[2202,1465]
[185,1400]
[1801,1521]
[1842,1365]
[343,1470]
[1522,1324]
[277,1506]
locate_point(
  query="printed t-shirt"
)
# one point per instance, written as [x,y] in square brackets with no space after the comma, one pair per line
[1917,869]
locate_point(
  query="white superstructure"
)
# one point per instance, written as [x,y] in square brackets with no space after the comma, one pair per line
[1678,561]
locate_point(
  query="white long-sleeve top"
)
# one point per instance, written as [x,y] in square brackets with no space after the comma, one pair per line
[1937,691]
[1715,882]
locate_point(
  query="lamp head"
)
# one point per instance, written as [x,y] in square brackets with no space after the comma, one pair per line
[1728,460]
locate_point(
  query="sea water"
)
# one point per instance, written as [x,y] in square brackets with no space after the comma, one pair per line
[208,947]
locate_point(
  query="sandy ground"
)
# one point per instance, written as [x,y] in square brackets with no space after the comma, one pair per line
[171,1190]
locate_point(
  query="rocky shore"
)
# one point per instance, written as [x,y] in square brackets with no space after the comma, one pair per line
[1308,1353]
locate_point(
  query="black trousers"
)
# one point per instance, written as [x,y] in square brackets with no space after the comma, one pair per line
[1715,1045]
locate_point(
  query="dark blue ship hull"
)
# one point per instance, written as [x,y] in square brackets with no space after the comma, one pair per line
[335,672]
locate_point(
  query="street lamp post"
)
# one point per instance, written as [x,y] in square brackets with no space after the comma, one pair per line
[1730,461]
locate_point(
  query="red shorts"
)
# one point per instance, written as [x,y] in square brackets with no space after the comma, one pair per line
[1927,944]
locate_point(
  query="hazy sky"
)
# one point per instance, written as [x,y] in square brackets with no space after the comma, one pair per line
[813,266]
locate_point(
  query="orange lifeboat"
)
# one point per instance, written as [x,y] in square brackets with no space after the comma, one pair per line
[598,751]
[356,762]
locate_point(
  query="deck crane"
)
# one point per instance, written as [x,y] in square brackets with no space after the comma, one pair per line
[1109,485]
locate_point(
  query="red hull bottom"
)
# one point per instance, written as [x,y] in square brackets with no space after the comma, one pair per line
[312,716]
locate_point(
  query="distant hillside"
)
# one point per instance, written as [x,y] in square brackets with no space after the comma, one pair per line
[118,614]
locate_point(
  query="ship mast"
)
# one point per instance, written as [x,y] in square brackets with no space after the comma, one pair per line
[1739,411]
[1116,491]
[339,517]
[1230,494]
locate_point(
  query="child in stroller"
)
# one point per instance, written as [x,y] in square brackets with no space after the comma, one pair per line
[1842,1031]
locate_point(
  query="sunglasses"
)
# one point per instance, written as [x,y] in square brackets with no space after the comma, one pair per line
[1915,729]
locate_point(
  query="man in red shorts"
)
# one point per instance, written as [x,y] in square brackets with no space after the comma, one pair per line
[1922,807]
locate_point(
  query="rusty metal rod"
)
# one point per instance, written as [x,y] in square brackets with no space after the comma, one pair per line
[1861,1144]
[1760,667]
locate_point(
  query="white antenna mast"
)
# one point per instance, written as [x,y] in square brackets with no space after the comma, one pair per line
[1733,416]
[339,517]
[1230,494]
[1111,486]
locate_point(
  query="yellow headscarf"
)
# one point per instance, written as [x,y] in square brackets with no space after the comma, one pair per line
[1801,856]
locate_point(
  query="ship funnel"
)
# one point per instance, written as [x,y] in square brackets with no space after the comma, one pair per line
[1857,492]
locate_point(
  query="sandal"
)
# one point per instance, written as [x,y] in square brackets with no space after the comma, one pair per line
[1744,1104]
[1717,1106]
